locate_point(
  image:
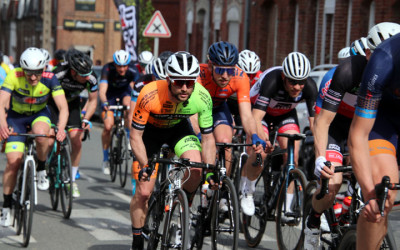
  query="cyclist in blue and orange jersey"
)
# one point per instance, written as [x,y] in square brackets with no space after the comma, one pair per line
[162,116]
[223,78]
[331,128]
[76,75]
[117,80]
[278,92]
[374,134]
[27,89]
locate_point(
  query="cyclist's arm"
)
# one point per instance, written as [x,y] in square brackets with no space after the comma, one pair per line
[137,145]
[132,106]
[321,130]
[194,120]
[208,148]
[4,101]
[359,154]
[248,122]
[103,86]
[258,115]
[91,105]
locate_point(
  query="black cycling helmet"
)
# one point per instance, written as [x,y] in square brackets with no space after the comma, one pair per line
[79,61]
[223,54]
[59,55]
[164,56]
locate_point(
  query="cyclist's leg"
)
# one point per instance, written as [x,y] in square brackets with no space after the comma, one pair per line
[126,101]
[108,120]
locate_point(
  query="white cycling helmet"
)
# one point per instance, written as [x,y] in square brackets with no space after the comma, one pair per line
[158,69]
[122,57]
[359,46]
[46,55]
[344,53]
[147,69]
[182,65]
[249,61]
[381,32]
[296,66]
[146,57]
[32,59]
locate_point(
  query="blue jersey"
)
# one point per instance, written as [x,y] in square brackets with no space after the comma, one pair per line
[116,82]
[380,85]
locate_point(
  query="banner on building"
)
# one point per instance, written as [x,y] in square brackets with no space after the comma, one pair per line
[127,15]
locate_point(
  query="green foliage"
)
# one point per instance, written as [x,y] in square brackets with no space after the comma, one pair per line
[146,11]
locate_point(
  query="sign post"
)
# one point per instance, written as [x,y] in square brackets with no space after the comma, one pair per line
[157,27]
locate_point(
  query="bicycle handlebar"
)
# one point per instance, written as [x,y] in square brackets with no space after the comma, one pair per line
[382,190]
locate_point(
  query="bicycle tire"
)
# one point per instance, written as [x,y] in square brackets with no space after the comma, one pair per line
[218,225]
[54,189]
[175,222]
[113,155]
[349,240]
[253,227]
[198,222]
[18,215]
[123,166]
[29,204]
[294,222]
[66,181]
[152,223]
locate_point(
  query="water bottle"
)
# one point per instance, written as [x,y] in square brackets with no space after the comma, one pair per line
[204,199]
[338,209]
[344,218]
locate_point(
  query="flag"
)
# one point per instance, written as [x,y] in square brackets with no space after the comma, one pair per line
[127,15]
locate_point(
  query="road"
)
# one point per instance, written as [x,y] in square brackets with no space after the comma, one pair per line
[100,217]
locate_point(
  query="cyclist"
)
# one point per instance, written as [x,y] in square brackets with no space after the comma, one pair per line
[117,80]
[59,57]
[145,58]
[332,126]
[279,91]
[3,72]
[27,89]
[373,135]
[48,59]
[250,63]
[161,116]
[76,75]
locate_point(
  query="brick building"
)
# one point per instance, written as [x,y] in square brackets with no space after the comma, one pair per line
[274,28]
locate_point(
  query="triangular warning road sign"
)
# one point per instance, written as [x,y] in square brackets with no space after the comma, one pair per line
[157,27]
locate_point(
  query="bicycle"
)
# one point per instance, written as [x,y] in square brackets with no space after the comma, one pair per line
[349,238]
[119,148]
[270,198]
[169,204]
[59,174]
[239,155]
[223,227]
[25,193]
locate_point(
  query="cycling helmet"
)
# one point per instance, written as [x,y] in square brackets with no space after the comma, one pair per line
[147,69]
[158,69]
[223,54]
[249,61]
[32,59]
[122,57]
[46,55]
[79,61]
[165,55]
[344,53]
[381,32]
[59,55]
[296,66]
[145,57]
[182,65]
[359,46]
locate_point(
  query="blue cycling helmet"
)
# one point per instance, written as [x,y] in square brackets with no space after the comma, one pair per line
[223,54]
[122,57]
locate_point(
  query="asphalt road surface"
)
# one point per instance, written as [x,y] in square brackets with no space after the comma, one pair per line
[100,217]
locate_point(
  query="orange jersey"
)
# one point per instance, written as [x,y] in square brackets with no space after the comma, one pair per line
[238,84]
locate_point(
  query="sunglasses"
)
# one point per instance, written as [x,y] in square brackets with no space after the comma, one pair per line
[179,83]
[294,82]
[221,71]
[85,75]
[33,72]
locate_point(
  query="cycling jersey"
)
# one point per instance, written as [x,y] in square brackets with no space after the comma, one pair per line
[342,93]
[154,106]
[323,88]
[139,84]
[116,82]
[256,78]
[72,87]
[275,100]
[27,99]
[238,84]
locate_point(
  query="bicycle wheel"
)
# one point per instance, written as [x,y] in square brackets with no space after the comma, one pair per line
[225,225]
[124,159]
[152,223]
[113,155]
[54,190]
[19,212]
[289,224]
[29,205]
[66,182]
[197,222]
[349,240]
[253,227]
[176,226]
